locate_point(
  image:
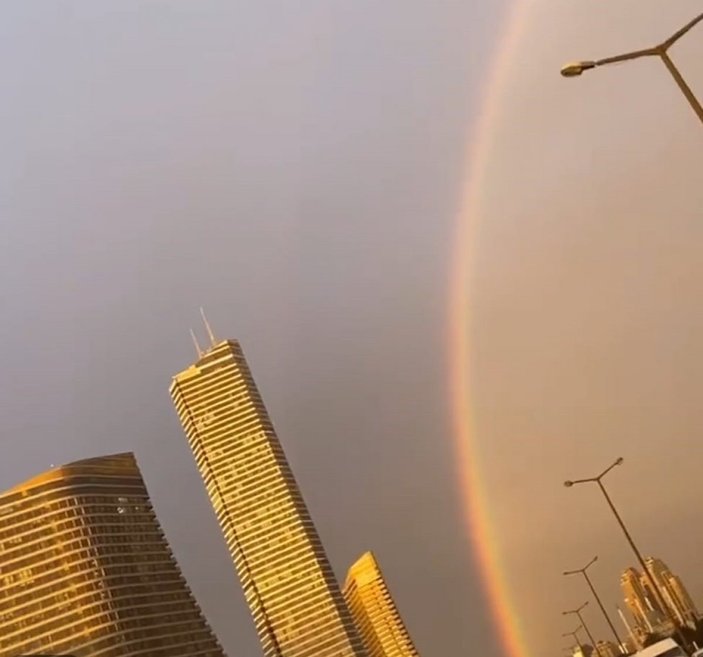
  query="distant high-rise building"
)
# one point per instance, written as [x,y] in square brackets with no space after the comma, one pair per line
[296,602]
[85,569]
[674,593]
[644,610]
[374,612]
[682,599]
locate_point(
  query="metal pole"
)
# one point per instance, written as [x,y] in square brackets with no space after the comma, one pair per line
[647,573]
[575,636]
[589,635]
[602,608]
[693,101]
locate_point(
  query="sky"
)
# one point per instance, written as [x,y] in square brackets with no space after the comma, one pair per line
[297,169]
[585,295]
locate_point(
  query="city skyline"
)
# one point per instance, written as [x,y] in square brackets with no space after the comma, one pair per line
[300,171]
[646,613]
[646,619]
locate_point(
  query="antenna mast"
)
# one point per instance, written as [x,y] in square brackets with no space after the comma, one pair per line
[197,346]
[211,335]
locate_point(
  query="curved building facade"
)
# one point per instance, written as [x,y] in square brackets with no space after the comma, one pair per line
[374,611]
[85,569]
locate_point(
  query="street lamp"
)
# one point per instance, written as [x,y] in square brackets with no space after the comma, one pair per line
[583,571]
[655,588]
[574,69]
[575,635]
[577,613]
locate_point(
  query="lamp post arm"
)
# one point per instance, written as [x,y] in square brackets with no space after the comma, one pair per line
[679,33]
[590,480]
[635,54]
[590,563]
[685,89]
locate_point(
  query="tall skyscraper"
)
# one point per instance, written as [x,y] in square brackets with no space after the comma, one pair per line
[85,569]
[674,593]
[296,602]
[374,612]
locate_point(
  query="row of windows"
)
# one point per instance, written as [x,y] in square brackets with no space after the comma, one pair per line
[115,549]
[92,616]
[190,636]
[95,580]
[105,518]
[68,480]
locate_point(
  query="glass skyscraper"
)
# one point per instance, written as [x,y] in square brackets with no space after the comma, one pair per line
[296,602]
[85,569]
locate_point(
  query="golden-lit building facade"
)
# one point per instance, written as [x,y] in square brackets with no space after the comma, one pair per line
[682,599]
[295,600]
[636,599]
[374,611]
[85,569]
[672,590]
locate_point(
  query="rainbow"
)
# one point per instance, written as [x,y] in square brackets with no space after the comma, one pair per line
[475,503]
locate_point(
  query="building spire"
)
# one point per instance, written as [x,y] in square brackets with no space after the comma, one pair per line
[197,346]
[210,334]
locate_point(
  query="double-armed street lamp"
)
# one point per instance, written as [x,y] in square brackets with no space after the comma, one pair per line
[575,636]
[584,571]
[655,588]
[577,613]
[661,50]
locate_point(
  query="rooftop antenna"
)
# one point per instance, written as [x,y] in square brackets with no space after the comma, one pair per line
[197,346]
[211,335]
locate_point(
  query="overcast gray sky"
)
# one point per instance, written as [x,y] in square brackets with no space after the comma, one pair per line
[295,168]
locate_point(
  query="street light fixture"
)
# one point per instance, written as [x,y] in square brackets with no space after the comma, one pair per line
[655,588]
[577,613]
[574,69]
[575,635]
[584,571]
